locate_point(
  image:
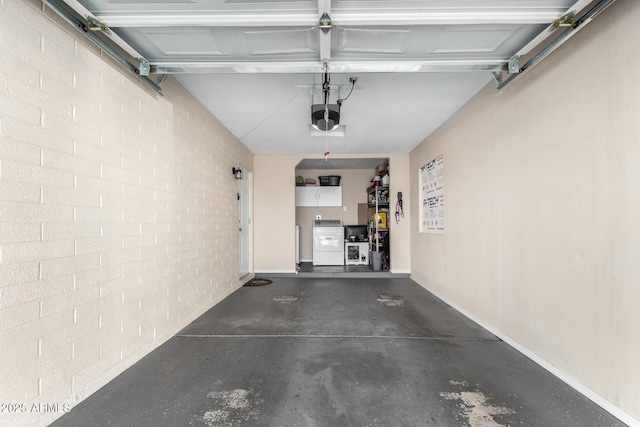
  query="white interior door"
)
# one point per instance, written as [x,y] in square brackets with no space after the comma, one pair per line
[244,223]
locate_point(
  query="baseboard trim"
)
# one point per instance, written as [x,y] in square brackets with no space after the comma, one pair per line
[562,375]
[275,272]
[398,271]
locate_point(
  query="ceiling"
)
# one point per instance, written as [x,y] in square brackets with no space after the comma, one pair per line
[258,65]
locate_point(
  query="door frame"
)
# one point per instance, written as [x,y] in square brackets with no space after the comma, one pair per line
[245,224]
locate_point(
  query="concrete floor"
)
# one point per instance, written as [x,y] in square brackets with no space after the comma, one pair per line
[333,352]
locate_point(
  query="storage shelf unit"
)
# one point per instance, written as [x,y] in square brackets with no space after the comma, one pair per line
[378,201]
[379,216]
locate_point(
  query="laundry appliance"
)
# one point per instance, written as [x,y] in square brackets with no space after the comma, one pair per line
[328,242]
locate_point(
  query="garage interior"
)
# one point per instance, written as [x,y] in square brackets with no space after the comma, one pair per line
[122,263]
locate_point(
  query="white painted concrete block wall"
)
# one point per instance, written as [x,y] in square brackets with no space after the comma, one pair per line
[118,218]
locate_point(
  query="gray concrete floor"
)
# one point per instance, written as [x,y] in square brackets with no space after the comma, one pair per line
[335,352]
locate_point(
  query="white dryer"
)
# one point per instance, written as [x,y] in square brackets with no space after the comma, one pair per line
[328,242]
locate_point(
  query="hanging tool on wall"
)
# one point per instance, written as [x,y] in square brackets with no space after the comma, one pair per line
[399,208]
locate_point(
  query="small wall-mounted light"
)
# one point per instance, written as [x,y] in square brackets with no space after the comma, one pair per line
[237,173]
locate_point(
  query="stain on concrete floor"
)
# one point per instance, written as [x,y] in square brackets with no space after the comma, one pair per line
[233,408]
[287,299]
[391,300]
[475,407]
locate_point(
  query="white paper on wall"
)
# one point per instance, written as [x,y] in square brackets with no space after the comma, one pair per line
[432,196]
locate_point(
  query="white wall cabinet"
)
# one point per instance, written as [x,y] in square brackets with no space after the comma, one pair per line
[319,196]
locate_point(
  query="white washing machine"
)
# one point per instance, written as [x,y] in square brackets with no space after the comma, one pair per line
[328,242]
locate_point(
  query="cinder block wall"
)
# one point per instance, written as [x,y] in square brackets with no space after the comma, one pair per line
[118,216]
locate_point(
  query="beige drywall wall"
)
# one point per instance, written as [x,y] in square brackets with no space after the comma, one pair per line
[118,216]
[275,211]
[400,172]
[542,187]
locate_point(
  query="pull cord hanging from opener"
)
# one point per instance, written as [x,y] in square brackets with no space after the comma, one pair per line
[326,148]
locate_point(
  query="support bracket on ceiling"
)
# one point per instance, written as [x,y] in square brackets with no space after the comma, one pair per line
[94,24]
[570,31]
[324,23]
[513,66]
[565,20]
[145,67]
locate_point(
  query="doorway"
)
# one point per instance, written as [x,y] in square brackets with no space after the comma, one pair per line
[356,176]
[244,223]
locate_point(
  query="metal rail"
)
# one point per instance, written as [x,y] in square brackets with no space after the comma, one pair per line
[556,43]
[60,9]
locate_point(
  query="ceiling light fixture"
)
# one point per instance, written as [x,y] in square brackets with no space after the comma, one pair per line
[338,131]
